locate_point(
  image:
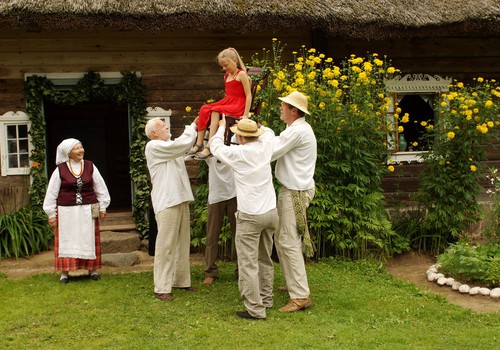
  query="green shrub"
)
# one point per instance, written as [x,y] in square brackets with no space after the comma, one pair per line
[24,233]
[472,263]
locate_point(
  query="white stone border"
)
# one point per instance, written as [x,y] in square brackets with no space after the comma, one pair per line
[434,276]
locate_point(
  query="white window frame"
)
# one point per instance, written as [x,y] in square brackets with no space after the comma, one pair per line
[8,119]
[410,84]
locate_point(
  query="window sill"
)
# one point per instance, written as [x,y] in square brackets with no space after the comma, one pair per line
[408,157]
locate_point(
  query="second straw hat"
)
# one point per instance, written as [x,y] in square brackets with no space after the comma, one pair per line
[296,99]
[247,127]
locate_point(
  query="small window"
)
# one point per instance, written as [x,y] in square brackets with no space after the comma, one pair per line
[411,114]
[15,143]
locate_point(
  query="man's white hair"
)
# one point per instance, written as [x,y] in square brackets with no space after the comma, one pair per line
[151,126]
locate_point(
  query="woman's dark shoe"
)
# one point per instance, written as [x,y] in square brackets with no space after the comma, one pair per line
[95,277]
[64,280]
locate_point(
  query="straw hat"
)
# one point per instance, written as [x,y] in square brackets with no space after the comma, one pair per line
[247,127]
[297,100]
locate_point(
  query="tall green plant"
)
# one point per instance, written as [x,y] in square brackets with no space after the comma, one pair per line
[347,104]
[468,116]
[24,233]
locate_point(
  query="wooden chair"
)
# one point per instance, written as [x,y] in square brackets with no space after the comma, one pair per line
[255,106]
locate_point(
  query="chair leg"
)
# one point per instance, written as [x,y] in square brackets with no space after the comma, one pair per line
[228,134]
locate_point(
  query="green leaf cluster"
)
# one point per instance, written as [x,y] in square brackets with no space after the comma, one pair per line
[24,233]
[472,263]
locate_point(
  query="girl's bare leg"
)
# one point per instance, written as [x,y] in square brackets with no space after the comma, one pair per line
[214,125]
[197,147]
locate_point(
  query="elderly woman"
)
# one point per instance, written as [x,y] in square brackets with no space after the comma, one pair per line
[74,187]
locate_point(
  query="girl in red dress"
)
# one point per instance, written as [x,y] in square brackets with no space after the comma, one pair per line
[237,102]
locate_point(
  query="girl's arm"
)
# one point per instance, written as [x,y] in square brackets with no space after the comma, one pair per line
[245,81]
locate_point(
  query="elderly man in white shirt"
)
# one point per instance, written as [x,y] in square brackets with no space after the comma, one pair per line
[171,194]
[296,151]
[257,217]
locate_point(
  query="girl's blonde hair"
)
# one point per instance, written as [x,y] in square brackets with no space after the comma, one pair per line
[232,54]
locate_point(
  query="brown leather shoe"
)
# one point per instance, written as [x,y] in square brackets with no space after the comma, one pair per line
[208,281]
[282,289]
[296,305]
[164,296]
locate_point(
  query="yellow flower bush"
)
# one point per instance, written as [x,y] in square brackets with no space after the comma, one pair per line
[467,119]
[348,103]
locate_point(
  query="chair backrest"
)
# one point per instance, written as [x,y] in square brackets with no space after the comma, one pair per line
[262,81]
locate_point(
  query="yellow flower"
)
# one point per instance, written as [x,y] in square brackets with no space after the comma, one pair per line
[390,168]
[188,109]
[451,135]
[281,75]
[391,70]
[480,79]
[423,123]
[443,104]
[430,127]
[322,105]
[378,62]
[460,85]
[490,124]
[473,168]
[401,129]
[488,104]
[406,118]
[311,76]
[414,144]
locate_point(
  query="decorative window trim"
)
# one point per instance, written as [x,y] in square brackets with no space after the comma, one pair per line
[419,84]
[12,118]
[158,112]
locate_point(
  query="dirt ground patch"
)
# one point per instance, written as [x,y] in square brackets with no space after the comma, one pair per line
[409,267]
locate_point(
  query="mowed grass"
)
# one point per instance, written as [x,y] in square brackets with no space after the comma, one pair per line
[356,305]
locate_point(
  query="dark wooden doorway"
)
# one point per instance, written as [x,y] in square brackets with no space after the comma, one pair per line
[103,129]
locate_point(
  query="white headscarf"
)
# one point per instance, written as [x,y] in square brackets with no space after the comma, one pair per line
[63,150]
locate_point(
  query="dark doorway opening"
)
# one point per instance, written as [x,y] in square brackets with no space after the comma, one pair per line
[103,129]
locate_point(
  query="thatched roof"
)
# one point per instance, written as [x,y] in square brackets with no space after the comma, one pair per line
[354,18]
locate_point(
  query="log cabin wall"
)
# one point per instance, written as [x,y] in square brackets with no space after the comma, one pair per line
[179,69]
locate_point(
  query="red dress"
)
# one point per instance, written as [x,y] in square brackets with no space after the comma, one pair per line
[233,104]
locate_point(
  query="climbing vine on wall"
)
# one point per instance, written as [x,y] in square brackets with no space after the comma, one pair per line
[130,90]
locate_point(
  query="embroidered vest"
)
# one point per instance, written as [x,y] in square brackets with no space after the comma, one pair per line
[76,190]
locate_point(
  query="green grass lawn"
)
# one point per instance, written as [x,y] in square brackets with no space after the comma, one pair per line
[356,305]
